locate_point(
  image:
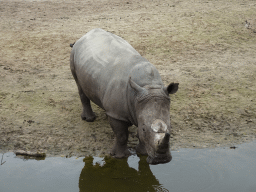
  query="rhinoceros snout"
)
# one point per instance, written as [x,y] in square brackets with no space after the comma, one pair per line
[159,146]
[159,159]
[161,149]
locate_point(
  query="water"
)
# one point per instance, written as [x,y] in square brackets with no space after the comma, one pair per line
[191,170]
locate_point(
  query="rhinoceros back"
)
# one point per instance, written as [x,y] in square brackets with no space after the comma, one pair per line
[103,63]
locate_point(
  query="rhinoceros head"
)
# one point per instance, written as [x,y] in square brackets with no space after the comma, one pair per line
[152,105]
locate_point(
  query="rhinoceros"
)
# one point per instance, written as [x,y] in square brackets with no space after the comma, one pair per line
[111,73]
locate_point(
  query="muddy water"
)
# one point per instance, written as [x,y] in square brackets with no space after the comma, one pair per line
[211,170]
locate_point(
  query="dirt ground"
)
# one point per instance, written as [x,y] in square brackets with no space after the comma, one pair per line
[208,46]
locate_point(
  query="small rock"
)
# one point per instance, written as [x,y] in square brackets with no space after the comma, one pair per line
[29,153]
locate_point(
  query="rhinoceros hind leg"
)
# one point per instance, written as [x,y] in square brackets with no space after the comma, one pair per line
[87,113]
[120,129]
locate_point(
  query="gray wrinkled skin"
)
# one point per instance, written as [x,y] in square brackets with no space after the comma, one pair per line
[112,74]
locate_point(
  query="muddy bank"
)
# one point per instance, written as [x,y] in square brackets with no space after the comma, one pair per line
[208,47]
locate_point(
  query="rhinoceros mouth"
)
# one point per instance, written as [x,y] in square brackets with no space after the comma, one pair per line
[159,159]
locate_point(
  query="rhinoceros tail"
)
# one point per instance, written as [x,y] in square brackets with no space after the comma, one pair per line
[72,44]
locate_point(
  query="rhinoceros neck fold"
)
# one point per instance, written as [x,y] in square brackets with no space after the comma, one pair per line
[131,105]
[149,96]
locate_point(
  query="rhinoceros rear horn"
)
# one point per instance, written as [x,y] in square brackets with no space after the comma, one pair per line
[135,86]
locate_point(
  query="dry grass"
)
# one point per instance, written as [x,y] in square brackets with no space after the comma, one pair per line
[203,45]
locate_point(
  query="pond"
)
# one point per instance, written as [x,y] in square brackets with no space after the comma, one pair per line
[211,170]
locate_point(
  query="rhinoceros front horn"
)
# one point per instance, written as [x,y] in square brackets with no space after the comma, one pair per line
[135,86]
[164,144]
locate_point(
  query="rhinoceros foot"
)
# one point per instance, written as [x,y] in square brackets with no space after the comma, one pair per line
[118,152]
[88,118]
[140,148]
[159,159]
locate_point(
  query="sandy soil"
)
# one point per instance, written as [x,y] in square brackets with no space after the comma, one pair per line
[207,46]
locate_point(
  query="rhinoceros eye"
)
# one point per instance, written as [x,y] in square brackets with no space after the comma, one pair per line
[144,128]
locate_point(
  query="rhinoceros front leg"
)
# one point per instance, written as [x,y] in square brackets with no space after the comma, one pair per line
[120,129]
[140,148]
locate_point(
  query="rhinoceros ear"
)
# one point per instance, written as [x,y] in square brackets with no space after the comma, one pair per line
[172,88]
[135,86]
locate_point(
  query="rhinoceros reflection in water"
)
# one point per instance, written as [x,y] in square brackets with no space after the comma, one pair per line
[116,175]
[112,74]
